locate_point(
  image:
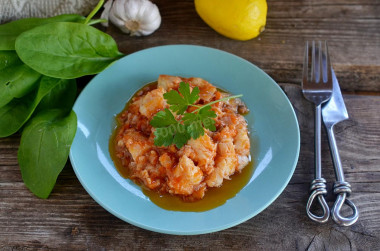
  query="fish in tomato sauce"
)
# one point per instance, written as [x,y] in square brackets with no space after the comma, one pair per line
[200,164]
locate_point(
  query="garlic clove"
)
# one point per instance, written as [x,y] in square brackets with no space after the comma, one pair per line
[118,10]
[146,29]
[147,15]
[149,20]
[118,22]
[106,12]
[133,7]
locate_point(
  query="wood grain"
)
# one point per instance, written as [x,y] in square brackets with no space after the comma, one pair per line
[70,219]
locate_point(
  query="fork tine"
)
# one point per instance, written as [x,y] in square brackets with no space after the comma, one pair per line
[328,67]
[320,70]
[313,63]
[305,64]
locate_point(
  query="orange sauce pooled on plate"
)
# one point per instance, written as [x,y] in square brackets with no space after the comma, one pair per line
[214,197]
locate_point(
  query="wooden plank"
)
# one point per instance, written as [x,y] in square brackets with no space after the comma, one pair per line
[70,218]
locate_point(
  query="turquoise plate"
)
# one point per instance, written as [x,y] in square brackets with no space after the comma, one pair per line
[272,121]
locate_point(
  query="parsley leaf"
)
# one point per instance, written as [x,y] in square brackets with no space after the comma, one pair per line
[181,137]
[206,114]
[190,98]
[173,134]
[169,130]
[180,103]
[163,118]
[163,137]
[197,121]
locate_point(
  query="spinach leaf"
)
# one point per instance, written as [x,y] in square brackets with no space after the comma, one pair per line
[62,96]
[16,79]
[15,114]
[8,58]
[44,148]
[10,31]
[66,50]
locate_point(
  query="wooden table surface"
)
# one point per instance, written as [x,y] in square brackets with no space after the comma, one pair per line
[71,219]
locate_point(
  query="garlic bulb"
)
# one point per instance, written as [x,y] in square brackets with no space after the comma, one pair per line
[136,17]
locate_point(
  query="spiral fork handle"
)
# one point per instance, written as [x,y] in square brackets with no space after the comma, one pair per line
[318,190]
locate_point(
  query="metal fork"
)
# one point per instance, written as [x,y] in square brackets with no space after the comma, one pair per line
[317,88]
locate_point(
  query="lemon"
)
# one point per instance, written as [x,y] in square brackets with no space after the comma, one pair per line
[236,19]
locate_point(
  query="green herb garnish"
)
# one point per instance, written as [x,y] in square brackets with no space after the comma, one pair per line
[170,131]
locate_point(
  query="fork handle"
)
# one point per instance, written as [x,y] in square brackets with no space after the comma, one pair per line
[318,186]
[342,189]
[317,142]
